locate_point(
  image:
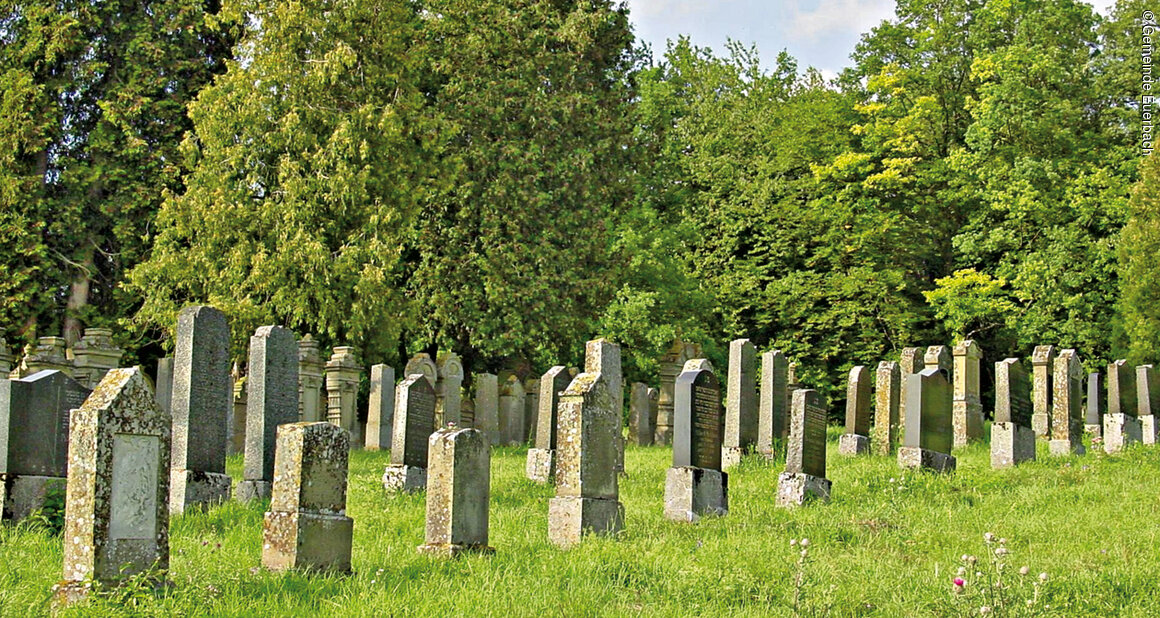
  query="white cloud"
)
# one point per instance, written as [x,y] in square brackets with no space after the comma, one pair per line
[831,17]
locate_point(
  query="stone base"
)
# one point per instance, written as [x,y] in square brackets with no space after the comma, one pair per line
[1096,431]
[193,488]
[691,493]
[452,550]
[571,517]
[1148,429]
[852,444]
[1063,448]
[1120,430]
[541,465]
[409,479]
[307,541]
[69,592]
[23,495]
[913,457]
[795,489]
[1041,425]
[253,490]
[730,456]
[1011,445]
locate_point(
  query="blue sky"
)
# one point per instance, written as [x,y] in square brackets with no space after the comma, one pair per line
[821,33]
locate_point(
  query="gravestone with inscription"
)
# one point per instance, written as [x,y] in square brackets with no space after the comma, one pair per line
[414,424]
[671,364]
[929,427]
[1012,439]
[640,431]
[1147,402]
[311,399]
[343,372]
[1067,405]
[116,524]
[804,479]
[381,408]
[740,402]
[696,485]
[272,400]
[486,413]
[458,492]
[773,403]
[602,356]
[856,440]
[1042,368]
[968,396]
[887,390]
[910,362]
[1094,419]
[307,527]
[511,412]
[541,463]
[34,438]
[449,389]
[1121,425]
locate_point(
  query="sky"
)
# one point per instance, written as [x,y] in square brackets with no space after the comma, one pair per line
[819,33]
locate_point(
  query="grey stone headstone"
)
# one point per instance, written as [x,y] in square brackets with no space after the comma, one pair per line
[381,408]
[487,406]
[272,397]
[414,421]
[858,401]
[449,388]
[1147,391]
[773,403]
[887,406]
[422,363]
[1067,404]
[1042,367]
[34,423]
[1095,399]
[164,385]
[552,385]
[640,430]
[202,390]
[1012,393]
[910,361]
[511,411]
[1122,389]
[741,396]
[697,435]
[929,424]
[806,448]
[458,493]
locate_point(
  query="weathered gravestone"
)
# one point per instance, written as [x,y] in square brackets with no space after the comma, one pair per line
[236,422]
[116,523]
[1094,420]
[272,401]
[929,428]
[531,409]
[887,391]
[48,354]
[511,412]
[587,492]
[541,463]
[449,389]
[1147,402]
[422,363]
[740,402]
[940,356]
[306,527]
[1067,405]
[791,378]
[671,364]
[414,424]
[34,426]
[804,478]
[342,376]
[381,408]
[856,440]
[968,398]
[486,413]
[1042,367]
[773,403]
[467,413]
[654,395]
[1121,426]
[1012,439]
[310,381]
[640,431]
[163,389]
[202,397]
[6,358]
[458,491]
[94,355]
[696,485]
[603,356]
[910,362]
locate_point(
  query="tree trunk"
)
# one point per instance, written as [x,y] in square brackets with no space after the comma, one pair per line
[78,296]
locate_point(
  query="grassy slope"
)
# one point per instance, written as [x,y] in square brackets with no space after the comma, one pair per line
[880,548]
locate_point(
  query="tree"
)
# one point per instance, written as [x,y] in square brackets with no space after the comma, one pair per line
[1139,267]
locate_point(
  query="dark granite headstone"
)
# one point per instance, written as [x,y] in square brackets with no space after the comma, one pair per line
[414,421]
[697,420]
[34,413]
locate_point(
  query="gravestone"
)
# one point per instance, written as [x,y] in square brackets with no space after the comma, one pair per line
[449,389]
[1147,402]
[740,402]
[467,413]
[1012,438]
[236,423]
[587,492]
[202,398]
[856,440]
[531,409]
[94,355]
[342,376]
[422,363]
[1042,368]
[487,407]
[654,395]
[940,356]
[414,424]
[48,354]
[1067,405]
[804,478]
[511,412]
[311,399]
[910,362]
[1121,425]
[695,485]
[640,431]
[1094,421]
[968,397]
[34,438]
[272,400]
[791,378]
[381,408]
[773,403]
[163,389]
[603,357]
[929,427]
[887,391]
[116,524]
[541,463]
[6,358]
[306,527]
[458,492]
[671,364]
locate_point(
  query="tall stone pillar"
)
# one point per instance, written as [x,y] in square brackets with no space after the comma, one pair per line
[94,355]
[968,402]
[310,365]
[1042,366]
[342,375]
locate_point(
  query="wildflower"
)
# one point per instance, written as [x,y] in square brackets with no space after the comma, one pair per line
[805,543]
[988,537]
[1043,577]
[960,582]
[984,610]
[978,573]
[965,558]
[962,570]
[793,542]
[1024,570]
[805,552]
[1002,541]
[1002,551]
[972,559]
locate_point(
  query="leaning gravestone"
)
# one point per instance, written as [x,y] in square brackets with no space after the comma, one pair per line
[34,426]
[1147,402]
[1094,421]
[541,463]
[511,412]
[486,414]
[1012,439]
[640,431]
[773,403]
[202,397]
[856,440]
[449,389]
[414,424]
[1067,405]
[910,362]
[381,408]
[929,428]
[116,523]
[1042,367]
[968,401]
[458,492]
[887,389]
[804,478]
[306,527]
[696,485]
[587,492]
[740,402]
[272,387]
[1121,426]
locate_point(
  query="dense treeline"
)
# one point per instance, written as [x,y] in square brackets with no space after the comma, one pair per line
[506,178]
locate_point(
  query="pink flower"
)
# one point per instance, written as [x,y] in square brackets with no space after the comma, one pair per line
[959,582]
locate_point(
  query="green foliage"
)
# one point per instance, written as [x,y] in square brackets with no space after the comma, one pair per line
[969,302]
[1139,266]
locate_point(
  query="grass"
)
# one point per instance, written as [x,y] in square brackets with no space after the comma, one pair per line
[888,544]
